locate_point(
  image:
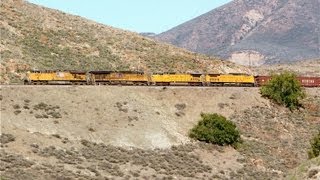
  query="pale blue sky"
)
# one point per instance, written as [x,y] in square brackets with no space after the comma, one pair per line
[136,15]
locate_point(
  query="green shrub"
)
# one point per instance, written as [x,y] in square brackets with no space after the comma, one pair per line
[216,129]
[315,146]
[284,89]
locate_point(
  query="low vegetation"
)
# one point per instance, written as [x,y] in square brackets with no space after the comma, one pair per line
[284,89]
[216,129]
[47,111]
[6,138]
[315,147]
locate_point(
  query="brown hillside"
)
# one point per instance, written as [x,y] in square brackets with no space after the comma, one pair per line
[34,37]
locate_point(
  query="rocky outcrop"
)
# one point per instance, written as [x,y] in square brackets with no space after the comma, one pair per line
[248,58]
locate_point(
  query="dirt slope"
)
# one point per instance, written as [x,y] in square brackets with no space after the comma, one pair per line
[141,132]
[119,115]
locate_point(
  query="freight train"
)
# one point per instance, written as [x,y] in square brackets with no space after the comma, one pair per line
[157,79]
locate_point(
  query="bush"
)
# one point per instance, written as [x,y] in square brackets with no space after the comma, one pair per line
[315,146]
[6,138]
[284,89]
[216,129]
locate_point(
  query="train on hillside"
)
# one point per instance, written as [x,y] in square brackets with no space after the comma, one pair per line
[157,79]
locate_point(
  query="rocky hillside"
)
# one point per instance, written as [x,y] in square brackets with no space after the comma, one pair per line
[253,32]
[34,37]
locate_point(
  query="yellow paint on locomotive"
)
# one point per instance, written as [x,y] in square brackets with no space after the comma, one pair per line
[121,76]
[230,78]
[56,76]
[177,78]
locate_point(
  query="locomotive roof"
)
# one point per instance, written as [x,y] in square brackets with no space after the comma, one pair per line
[177,73]
[108,72]
[243,74]
[55,71]
[239,74]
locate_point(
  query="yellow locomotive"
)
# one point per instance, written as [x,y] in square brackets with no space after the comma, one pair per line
[56,77]
[229,80]
[166,79]
[137,78]
[122,78]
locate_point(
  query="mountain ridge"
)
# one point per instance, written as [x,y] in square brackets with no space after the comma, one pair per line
[252,32]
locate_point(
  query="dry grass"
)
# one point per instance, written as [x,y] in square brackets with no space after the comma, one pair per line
[105,160]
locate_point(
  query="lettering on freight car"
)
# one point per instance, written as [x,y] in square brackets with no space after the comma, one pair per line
[307,81]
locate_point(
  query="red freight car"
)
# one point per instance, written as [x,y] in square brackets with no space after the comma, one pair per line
[309,81]
[305,81]
[261,80]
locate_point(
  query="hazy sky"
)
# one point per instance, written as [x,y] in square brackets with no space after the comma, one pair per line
[136,15]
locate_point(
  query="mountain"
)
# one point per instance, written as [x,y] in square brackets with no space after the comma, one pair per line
[35,37]
[253,32]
